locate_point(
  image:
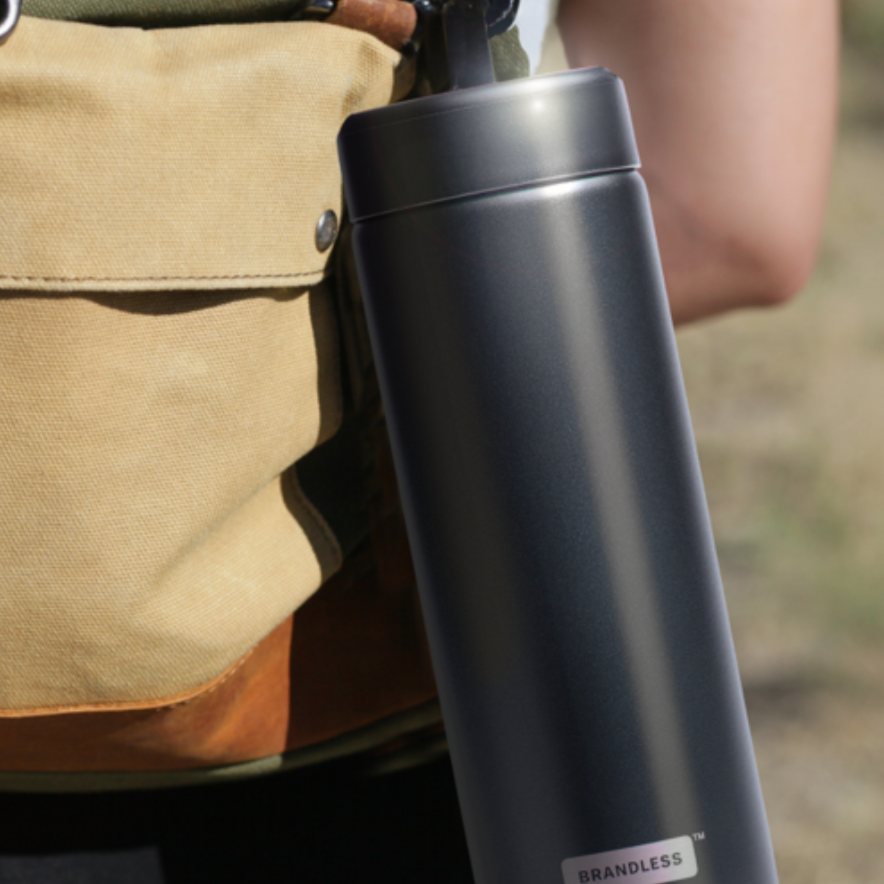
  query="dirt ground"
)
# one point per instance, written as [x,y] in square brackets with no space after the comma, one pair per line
[788,411]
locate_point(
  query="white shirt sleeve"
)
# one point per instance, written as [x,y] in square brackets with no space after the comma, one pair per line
[532,20]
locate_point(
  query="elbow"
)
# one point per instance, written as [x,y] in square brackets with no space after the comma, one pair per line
[714,268]
[770,271]
[777,269]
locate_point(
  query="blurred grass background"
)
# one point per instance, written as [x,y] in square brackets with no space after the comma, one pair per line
[788,411]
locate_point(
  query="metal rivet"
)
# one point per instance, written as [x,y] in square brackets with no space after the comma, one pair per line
[326,230]
[9,19]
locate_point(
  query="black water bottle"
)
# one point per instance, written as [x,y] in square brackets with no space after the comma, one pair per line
[550,481]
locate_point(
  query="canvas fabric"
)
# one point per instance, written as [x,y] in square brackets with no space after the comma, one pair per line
[168,347]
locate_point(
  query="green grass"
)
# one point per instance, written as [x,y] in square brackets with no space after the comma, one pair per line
[863,26]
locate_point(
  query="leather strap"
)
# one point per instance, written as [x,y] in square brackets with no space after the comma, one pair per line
[393,22]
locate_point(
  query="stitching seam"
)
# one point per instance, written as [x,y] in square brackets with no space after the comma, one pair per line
[153,706]
[219,682]
[154,278]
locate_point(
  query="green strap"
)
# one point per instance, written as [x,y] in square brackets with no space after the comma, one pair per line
[405,726]
[161,13]
[508,57]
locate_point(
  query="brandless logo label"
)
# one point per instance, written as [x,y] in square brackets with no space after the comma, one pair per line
[657,863]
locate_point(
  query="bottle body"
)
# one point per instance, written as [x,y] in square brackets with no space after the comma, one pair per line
[559,529]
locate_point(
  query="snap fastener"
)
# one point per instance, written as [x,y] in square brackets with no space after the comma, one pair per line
[326,230]
[9,19]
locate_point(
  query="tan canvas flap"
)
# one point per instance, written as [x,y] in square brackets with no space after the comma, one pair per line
[191,158]
[151,529]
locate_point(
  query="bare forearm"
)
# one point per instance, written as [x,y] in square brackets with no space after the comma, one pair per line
[734,107]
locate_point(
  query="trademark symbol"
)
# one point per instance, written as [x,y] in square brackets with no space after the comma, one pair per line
[699,836]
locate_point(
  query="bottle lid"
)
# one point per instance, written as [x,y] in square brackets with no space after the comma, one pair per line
[485,139]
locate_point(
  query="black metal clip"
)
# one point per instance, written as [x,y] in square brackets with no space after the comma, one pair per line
[466,43]
[453,36]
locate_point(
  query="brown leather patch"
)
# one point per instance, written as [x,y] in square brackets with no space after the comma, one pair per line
[392,21]
[356,655]
[245,716]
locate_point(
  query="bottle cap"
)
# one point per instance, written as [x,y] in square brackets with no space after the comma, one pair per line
[485,139]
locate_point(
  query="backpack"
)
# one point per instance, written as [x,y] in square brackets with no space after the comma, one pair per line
[204,572]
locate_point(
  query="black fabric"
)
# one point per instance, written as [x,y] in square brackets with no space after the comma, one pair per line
[332,476]
[123,867]
[328,825]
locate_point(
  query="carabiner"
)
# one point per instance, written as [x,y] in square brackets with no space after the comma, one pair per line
[10,19]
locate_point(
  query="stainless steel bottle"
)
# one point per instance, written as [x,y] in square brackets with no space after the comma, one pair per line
[550,481]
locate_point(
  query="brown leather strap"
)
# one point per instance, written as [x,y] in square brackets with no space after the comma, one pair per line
[392,21]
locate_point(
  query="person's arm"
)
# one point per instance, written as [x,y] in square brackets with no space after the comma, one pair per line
[734,105]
